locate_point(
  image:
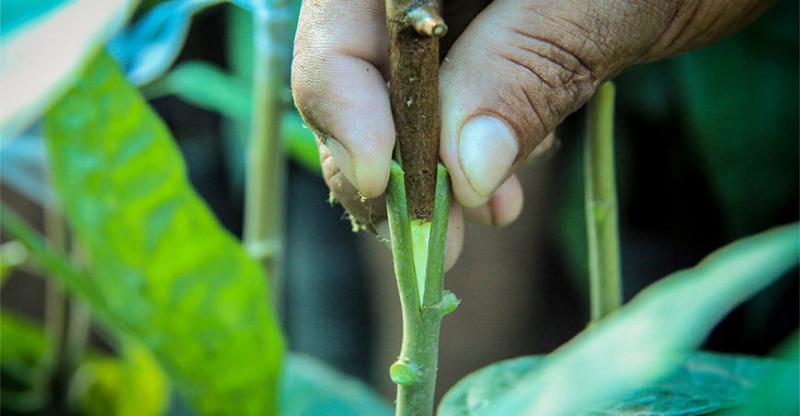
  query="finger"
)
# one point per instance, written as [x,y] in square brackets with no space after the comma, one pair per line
[524,77]
[338,87]
[503,208]
[364,214]
[455,236]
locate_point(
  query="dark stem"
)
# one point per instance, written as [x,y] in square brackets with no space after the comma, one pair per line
[414,28]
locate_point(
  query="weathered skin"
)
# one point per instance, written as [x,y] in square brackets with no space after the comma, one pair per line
[514,68]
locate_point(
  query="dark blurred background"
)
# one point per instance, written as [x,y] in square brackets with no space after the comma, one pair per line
[707,152]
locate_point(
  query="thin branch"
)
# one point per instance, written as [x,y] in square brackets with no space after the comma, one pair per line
[601,205]
[266,164]
[55,302]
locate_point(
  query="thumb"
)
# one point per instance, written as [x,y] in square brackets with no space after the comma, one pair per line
[508,81]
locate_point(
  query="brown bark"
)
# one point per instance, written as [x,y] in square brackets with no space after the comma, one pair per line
[414,28]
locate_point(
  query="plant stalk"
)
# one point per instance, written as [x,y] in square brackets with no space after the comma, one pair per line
[266,165]
[79,323]
[415,370]
[418,198]
[601,205]
[55,302]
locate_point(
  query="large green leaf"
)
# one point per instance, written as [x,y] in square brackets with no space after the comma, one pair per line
[647,339]
[472,394]
[779,393]
[311,388]
[167,273]
[706,382]
[42,57]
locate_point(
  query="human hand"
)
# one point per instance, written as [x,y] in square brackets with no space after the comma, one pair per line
[515,70]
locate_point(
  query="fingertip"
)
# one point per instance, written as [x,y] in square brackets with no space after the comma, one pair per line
[455,237]
[372,173]
[463,192]
[506,204]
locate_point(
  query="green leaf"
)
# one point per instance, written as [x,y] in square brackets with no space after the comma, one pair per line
[37,69]
[206,86]
[472,394]
[311,388]
[704,383]
[646,339]
[167,272]
[777,395]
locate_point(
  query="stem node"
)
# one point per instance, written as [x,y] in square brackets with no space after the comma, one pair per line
[427,21]
[449,303]
[404,373]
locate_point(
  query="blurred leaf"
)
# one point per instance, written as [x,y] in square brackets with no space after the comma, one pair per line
[210,88]
[133,385]
[741,109]
[704,383]
[473,393]
[23,351]
[168,274]
[18,13]
[311,388]
[646,339]
[205,86]
[778,395]
[41,59]
[149,47]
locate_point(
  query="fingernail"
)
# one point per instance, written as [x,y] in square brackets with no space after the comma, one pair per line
[342,158]
[487,148]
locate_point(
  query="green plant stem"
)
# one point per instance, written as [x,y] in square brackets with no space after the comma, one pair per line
[80,321]
[601,205]
[415,370]
[55,302]
[266,165]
